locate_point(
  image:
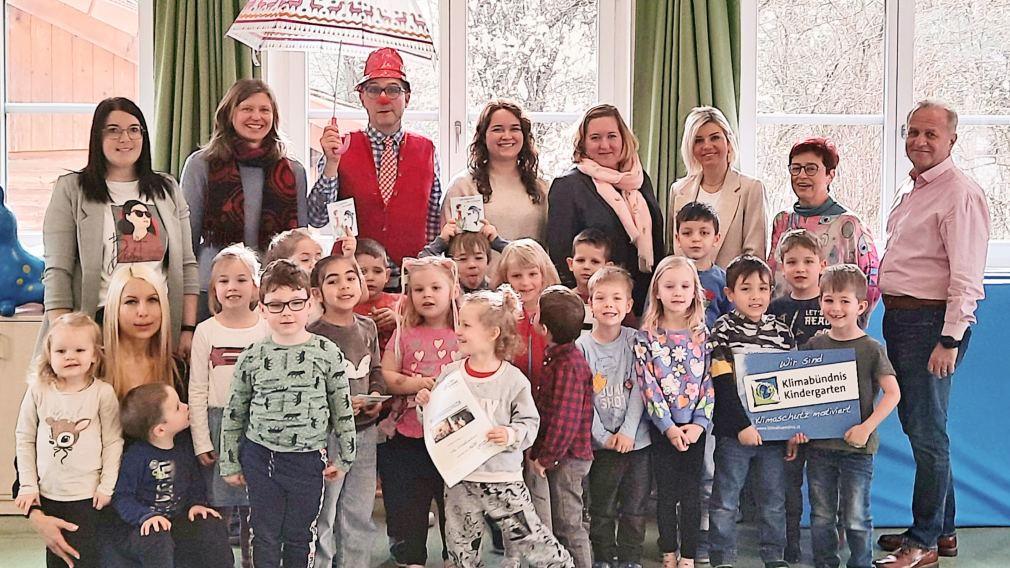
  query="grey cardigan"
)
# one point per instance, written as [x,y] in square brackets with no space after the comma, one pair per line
[72,236]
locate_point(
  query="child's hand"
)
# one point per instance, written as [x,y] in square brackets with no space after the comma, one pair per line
[207,459]
[857,436]
[158,523]
[449,230]
[676,437]
[691,432]
[749,436]
[384,318]
[499,435]
[423,397]
[488,230]
[331,473]
[793,445]
[237,480]
[423,383]
[372,409]
[348,244]
[620,443]
[101,500]
[538,468]
[25,502]
[201,511]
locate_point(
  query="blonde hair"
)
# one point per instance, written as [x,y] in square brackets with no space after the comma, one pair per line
[502,308]
[700,116]
[159,347]
[653,315]
[44,372]
[628,139]
[612,274]
[525,253]
[240,253]
[408,313]
[283,245]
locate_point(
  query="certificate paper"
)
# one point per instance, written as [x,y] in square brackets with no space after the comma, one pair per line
[455,430]
[813,392]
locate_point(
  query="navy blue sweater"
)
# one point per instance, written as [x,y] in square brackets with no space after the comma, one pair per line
[154,482]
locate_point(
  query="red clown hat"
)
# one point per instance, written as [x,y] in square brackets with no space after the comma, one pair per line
[384,63]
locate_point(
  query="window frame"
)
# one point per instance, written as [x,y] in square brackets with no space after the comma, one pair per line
[899,67]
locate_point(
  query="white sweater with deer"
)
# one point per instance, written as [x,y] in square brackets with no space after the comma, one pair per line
[68,443]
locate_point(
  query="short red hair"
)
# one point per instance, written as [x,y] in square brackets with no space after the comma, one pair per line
[823,147]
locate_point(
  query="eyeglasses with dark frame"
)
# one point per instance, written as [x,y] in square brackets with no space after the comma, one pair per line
[135,132]
[296,305]
[809,169]
[392,91]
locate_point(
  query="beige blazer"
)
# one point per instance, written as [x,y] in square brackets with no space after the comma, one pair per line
[743,215]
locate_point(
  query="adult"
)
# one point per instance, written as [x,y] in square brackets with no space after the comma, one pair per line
[242,187]
[931,278]
[85,231]
[391,173]
[709,150]
[607,189]
[842,236]
[503,170]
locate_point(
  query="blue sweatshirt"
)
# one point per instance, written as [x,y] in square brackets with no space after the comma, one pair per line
[618,406]
[717,304]
[154,482]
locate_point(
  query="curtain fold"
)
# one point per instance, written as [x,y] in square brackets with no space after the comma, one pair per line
[194,64]
[687,54]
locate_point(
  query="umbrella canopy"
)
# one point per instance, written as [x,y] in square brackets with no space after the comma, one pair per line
[318,25]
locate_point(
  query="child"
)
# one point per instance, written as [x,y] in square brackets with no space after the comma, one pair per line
[488,338]
[380,306]
[217,344]
[739,447]
[671,364]
[423,344]
[345,521]
[469,250]
[619,479]
[297,245]
[160,493]
[289,394]
[799,258]
[562,452]
[697,235]
[68,436]
[590,252]
[840,471]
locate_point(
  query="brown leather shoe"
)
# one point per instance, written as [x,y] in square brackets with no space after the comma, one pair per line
[947,546]
[909,556]
[891,542]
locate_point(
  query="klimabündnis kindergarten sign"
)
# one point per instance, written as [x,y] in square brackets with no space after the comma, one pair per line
[813,392]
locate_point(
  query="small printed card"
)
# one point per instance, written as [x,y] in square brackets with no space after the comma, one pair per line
[343,215]
[371,398]
[467,212]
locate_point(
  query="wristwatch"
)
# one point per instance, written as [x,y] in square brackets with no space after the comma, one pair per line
[949,342]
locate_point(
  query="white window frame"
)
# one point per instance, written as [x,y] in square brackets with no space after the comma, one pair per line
[899,59]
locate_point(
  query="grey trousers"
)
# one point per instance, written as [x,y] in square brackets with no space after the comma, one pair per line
[345,528]
[565,482]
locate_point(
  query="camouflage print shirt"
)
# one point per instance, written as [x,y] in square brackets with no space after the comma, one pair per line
[288,398]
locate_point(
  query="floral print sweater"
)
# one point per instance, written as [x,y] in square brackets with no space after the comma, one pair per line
[672,367]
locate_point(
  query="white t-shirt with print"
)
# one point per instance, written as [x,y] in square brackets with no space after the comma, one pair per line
[136,236]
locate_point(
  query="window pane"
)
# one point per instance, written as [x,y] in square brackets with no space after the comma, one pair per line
[857,181]
[41,147]
[961,53]
[984,153]
[80,52]
[820,57]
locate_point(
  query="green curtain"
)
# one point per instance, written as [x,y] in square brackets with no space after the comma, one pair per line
[687,54]
[194,65]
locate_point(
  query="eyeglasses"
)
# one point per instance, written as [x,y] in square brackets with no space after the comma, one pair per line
[809,169]
[392,91]
[140,213]
[115,132]
[295,305]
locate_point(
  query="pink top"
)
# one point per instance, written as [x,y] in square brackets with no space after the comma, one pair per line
[938,237]
[422,351]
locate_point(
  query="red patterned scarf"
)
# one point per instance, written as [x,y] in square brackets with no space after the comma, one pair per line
[224,207]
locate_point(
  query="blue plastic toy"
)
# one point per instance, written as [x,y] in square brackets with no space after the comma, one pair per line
[20,271]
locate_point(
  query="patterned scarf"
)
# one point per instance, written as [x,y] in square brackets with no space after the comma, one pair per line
[224,206]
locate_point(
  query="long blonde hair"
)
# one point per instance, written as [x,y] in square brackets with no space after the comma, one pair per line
[653,315]
[159,347]
[525,253]
[700,116]
[408,318]
[44,372]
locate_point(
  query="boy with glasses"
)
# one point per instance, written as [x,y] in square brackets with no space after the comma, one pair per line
[288,394]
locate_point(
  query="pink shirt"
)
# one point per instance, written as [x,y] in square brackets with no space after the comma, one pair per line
[938,237]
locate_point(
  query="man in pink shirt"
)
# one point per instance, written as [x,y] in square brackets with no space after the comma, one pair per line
[931,281]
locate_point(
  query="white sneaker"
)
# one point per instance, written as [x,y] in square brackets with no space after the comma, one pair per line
[669,560]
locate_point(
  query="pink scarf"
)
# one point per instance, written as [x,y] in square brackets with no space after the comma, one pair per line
[628,203]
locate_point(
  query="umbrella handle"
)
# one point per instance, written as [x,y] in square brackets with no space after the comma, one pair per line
[345,140]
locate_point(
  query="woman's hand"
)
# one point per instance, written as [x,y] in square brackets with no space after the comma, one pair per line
[185,344]
[51,530]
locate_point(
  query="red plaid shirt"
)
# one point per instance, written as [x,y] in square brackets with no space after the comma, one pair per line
[564,399]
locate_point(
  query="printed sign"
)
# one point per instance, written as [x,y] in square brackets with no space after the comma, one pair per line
[343,217]
[813,392]
[467,212]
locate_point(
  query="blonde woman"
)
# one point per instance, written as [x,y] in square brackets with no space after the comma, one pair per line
[709,149]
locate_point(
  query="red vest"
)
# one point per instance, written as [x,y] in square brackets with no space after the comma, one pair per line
[400,225]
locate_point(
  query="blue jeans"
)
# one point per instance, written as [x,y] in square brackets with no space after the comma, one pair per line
[834,474]
[911,336]
[732,462]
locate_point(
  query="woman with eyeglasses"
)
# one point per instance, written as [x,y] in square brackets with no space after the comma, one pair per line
[242,187]
[709,149]
[83,231]
[607,189]
[843,237]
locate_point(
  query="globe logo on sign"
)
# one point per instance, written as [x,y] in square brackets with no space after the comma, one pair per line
[766,391]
